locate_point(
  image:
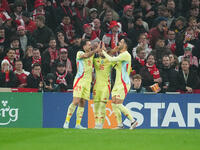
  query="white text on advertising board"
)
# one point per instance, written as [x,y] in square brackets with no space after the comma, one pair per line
[172,114]
[7,113]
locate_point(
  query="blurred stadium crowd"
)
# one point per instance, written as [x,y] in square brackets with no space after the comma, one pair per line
[39,40]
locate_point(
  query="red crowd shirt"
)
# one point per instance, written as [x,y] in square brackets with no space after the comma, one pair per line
[22,77]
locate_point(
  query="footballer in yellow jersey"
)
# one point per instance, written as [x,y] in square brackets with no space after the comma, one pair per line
[83,78]
[102,87]
[122,83]
[82,82]
[101,90]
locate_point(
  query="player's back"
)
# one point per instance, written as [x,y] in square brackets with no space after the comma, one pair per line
[123,68]
[102,70]
[84,67]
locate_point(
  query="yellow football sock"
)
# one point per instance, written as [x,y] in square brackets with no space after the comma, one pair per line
[125,111]
[102,111]
[79,115]
[96,111]
[70,112]
[117,114]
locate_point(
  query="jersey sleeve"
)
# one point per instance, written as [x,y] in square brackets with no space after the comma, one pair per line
[120,57]
[78,56]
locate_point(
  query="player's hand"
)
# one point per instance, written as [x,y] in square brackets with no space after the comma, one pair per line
[103,47]
[98,49]
[116,49]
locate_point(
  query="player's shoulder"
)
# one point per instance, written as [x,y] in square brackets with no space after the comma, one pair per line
[128,54]
[125,54]
[107,62]
[79,53]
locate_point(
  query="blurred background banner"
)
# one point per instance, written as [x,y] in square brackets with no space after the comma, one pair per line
[164,110]
[55,109]
[48,110]
[151,111]
[110,120]
[22,110]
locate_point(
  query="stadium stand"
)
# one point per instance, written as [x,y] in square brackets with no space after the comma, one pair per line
[165,27]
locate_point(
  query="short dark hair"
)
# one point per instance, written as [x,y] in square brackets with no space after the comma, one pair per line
[14,38]
[52,38]
[126,40]
[9,50]
[186,59]
[18,61]
[191,19]
[151,54]
[60,31]
[160,39]
[35,49]
[83,43]
[165,56]
[61,64]
[35,65]
[170,29]
[141,34]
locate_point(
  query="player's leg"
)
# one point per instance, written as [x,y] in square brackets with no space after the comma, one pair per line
[96,106]
[117,112]
[102,113]
[104,97]
[85,95]
[96,113]
[77,94]
[101,96]
[123,109]
[79,113]
[126,112]
[115,94]
[70,111]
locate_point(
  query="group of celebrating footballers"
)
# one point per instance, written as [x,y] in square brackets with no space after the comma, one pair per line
[103,65]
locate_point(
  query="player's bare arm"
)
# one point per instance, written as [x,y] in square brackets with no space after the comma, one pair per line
[89,53]
[111,51]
